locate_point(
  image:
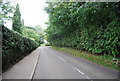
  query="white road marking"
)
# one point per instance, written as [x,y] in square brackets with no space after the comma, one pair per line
[81,72]
[62,58]
[87,77]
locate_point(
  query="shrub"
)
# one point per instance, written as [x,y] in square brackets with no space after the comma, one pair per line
[15,47]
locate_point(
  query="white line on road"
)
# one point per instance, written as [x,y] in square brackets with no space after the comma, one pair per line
[81,72]
[62,58]
[87,77]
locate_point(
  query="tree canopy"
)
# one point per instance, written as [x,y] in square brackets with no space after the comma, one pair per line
[34,33]
[5,10]
[89,26]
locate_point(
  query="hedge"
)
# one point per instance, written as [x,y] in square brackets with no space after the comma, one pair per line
[100,42]
[91,27]
[15,47]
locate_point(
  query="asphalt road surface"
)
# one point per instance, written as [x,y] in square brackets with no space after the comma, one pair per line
[53,64]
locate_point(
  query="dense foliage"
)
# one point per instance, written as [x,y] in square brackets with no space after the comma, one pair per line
[17,25]
[19,41]
[14,47]
[5,10]
[34,33]
[94,27]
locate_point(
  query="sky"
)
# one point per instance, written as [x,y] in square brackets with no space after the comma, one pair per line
[32,11]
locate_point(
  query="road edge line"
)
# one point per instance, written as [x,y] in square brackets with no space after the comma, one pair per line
[32,74]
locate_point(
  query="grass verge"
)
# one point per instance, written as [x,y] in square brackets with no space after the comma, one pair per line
[105,60]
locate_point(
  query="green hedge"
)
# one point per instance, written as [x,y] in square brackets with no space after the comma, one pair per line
[95,41]
[92,27]
[15,47]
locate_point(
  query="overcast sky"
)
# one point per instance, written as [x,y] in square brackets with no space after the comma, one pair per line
[32,11]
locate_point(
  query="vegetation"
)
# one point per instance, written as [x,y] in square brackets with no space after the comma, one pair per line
[17,25]
[15,46]
[105,60]
[91,27]
[5,10]
[35,33]
[15,43]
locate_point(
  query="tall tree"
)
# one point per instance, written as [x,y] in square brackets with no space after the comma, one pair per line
[23,27]
[17,26]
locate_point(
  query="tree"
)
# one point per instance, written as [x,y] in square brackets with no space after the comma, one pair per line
[40,32]
[35,33]
[17,25]
[85,26]
[30,33]
[5,10]
[23,27]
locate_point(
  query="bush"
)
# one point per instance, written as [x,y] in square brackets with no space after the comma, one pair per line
[15,47]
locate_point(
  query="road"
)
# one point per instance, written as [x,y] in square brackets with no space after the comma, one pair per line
[53,64]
